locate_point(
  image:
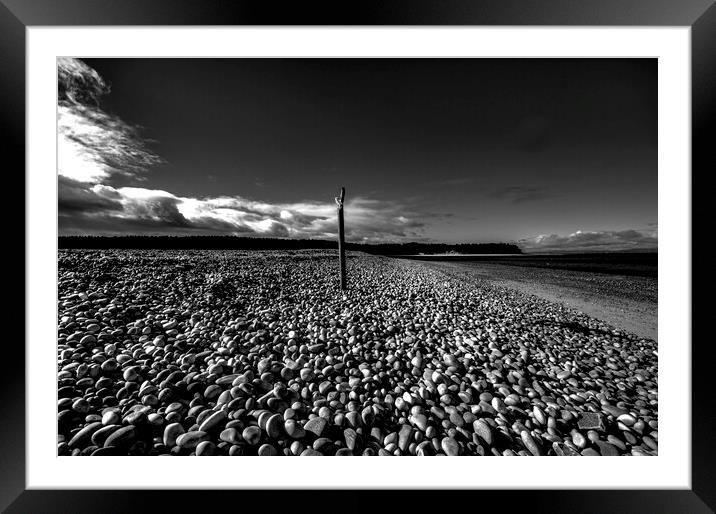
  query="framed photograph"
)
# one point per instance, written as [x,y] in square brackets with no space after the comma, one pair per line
[398,230]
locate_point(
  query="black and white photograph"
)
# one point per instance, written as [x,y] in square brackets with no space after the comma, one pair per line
[357,257]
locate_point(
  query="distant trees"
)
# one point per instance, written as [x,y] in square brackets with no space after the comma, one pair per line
[256,243]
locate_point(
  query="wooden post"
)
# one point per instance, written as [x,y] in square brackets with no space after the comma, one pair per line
[341,238]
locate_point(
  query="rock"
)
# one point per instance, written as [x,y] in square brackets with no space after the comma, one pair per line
[530,443]
[613,410]
[590,421]
[310,452]
[405,436]
[252,435]
[450,446]
[350,436]
[274,426]
[420,421]
[607,449]
[368,416]
[82,438]
[483,430]
[213,421]
[293,429]
[190,440]
[231,436]
[205,448]
[171,432]
[354,419]
[266,450]
[315,426]
[121,438]
[627,419]
[248,347]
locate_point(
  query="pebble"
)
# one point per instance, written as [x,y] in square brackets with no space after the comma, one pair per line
[315,426]
[530,443]
[213,421]
[190,440]
[171,432]
[252,435]
[483,430]
[256,353]
[450,446]
[274,426]
[267,450]
[404,437]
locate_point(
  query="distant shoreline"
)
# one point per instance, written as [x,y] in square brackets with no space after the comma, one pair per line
[259,243]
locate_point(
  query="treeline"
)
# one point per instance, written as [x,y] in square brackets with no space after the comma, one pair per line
[256,243]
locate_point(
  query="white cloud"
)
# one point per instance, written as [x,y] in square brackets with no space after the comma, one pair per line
[94,147]
[592,241]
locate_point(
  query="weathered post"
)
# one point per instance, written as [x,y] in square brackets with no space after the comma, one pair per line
[341,238]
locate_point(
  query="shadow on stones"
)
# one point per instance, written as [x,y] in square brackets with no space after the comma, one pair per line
[573,326]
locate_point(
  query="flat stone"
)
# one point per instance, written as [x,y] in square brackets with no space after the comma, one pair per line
[590,421]
[315,426]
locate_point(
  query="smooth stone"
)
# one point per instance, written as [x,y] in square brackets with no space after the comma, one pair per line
[267,450]
[404,437]
[205,448]
[122,437]
[213,421]
[483,430]
[421,421]
[83,437]
[450,446]
[252,435]
[190,440]
[274,426]
[530,443]
[171,432]
[293,429]
[231,436]
[310,452]
[315,426]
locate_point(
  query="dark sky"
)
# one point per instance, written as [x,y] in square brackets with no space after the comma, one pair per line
[456,150]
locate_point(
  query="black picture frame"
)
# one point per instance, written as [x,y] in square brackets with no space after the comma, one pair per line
[699,15]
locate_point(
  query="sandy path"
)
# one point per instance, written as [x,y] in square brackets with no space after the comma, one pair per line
[627,303]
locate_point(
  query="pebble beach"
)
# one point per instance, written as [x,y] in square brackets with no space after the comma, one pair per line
[260,353]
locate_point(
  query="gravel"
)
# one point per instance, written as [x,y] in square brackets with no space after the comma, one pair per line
[260,353]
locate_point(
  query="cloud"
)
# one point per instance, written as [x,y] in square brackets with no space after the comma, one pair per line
[78,198]
[596,241]
[519,194]
[105,210]
[94,145]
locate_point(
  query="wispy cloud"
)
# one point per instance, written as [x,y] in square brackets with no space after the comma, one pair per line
[95,146]
[592,241]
